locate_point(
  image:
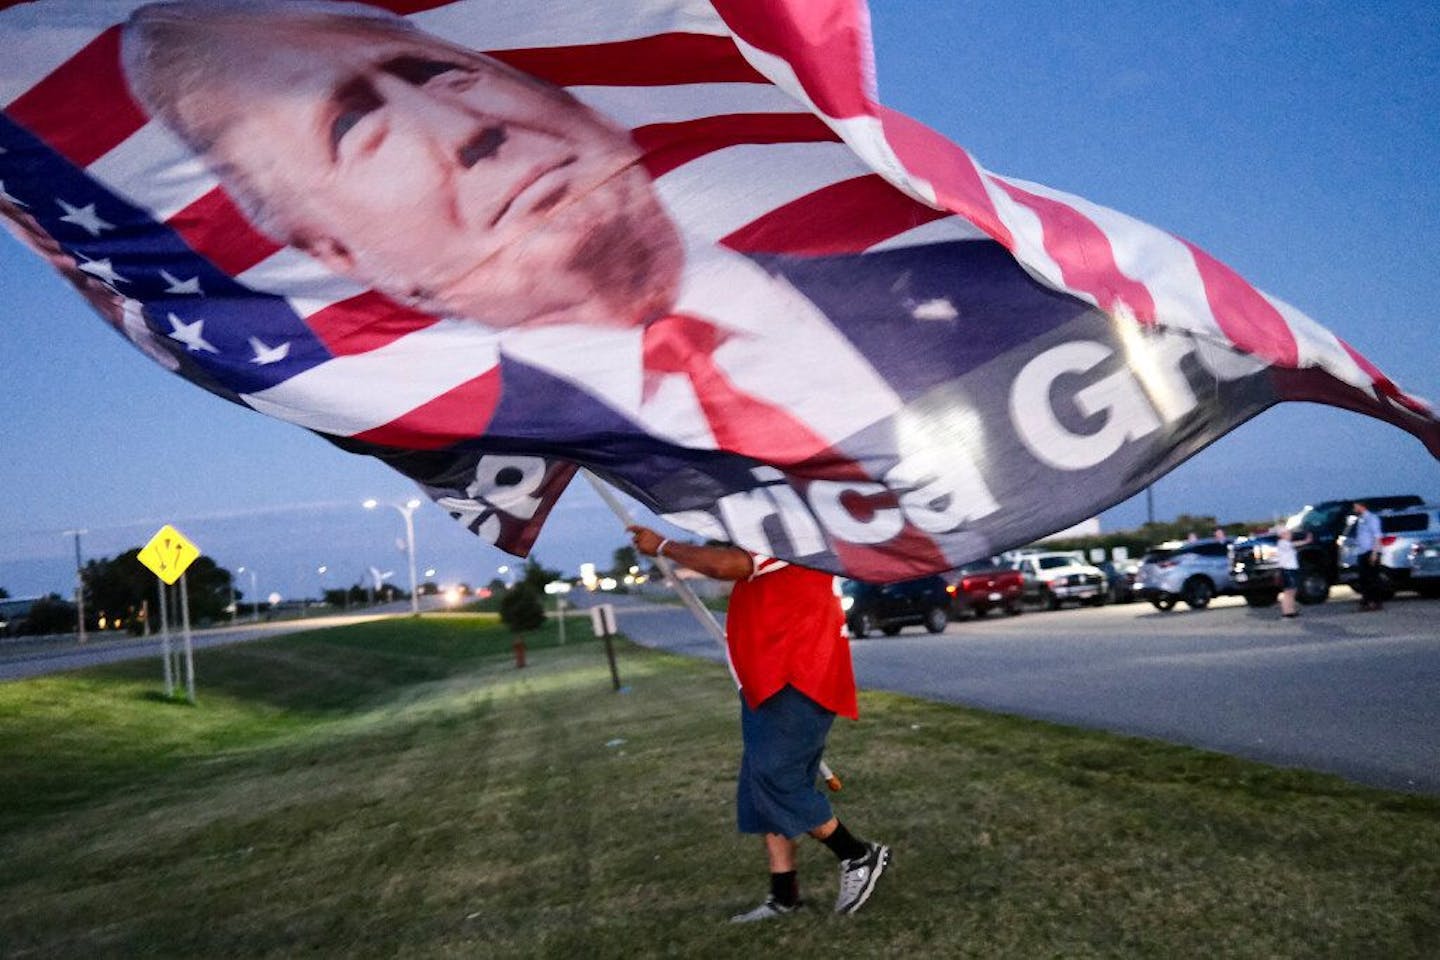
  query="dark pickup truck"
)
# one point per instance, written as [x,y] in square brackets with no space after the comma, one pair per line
[1252,559]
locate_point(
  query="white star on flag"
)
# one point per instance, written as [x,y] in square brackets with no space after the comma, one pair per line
[264,354]
[102,270]
[190,334]
[938,309]
[8,198]
[178,286]
[84,217]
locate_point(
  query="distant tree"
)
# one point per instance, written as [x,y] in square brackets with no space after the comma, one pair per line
[622,560]
[537,575]
[341,598]
[117,588]
[50,614]
[4,594]
[520,608]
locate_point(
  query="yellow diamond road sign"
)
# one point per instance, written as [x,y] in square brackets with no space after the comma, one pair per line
[168,554]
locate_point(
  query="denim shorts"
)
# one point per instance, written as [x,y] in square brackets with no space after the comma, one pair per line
[1289,579]
[784,738]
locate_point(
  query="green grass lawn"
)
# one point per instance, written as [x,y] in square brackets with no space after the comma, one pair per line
[400,789]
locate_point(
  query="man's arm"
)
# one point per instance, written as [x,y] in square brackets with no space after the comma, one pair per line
[722,563]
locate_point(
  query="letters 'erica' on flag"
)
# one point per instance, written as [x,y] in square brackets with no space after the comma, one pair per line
[678,242]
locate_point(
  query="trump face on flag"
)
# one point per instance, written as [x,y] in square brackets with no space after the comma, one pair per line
[435,174]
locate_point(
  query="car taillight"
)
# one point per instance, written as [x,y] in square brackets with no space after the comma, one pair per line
[1388,540]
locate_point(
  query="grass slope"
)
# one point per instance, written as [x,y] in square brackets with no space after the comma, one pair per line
[400,789]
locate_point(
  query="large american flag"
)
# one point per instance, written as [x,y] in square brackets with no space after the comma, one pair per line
[759,123]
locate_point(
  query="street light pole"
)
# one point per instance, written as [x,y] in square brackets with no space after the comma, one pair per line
[79,586]
[406,510]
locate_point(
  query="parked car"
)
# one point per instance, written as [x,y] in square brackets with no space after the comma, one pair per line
[1120,577]
[1399,531]
[1425,566]
[1252,559]
[985,585]
[1195,571]
[1052,579]
[889,607]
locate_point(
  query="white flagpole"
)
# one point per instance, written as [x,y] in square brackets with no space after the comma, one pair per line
[687,597]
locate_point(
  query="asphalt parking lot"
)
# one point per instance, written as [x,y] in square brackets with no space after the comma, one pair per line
[1355,694]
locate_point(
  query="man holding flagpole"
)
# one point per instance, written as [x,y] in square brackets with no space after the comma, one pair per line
[785,643]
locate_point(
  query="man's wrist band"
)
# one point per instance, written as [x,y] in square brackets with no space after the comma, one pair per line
[660,550]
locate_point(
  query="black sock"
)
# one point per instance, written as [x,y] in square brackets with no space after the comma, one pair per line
[785,888]
[844,844]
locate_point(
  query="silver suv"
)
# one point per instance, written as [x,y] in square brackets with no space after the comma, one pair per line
[1425,565]
[1195,571]
[1399,531]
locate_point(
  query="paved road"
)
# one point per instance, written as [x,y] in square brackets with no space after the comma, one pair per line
[1335,690]
[18,660]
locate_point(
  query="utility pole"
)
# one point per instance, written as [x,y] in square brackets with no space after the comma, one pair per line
[79,585]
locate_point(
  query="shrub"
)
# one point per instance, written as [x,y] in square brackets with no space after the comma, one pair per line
[521,609]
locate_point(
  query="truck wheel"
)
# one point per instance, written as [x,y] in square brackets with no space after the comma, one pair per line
[1048,598]
[1313,588]
[1163,603]
[1199,591]
[936,620]
[862,626]
[1261,599]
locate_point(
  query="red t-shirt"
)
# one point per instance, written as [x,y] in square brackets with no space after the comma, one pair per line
[785,626]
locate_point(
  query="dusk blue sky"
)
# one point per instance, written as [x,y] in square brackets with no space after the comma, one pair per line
[1295,141]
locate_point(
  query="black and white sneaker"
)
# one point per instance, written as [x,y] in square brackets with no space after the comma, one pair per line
[769,910]
[858,876]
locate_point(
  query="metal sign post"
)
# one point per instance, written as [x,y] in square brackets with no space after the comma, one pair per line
[602,620]
[559,588]
[165,639]
[168,555]
[189,646]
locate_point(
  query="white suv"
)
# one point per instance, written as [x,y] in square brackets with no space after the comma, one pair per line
[1400,530]
[1053,578]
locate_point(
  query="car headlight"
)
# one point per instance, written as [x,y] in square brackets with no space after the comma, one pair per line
[846,603]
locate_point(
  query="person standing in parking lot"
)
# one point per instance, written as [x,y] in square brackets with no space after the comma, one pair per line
[784,640]
[1289,563]
[1367,556]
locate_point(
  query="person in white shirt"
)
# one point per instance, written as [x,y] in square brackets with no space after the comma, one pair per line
[1289,563]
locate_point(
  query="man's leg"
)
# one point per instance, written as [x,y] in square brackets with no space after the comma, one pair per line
[861,863]
[760,810]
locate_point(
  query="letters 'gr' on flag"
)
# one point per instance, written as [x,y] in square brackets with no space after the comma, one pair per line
[678,242]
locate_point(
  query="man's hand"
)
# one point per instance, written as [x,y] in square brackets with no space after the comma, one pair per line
[646,541]
[722,563]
